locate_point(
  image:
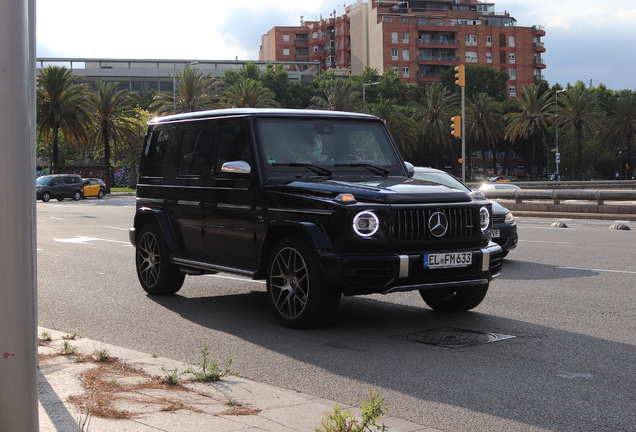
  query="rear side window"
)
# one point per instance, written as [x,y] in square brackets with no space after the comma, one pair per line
[71,180]
[155,157]
[193,152]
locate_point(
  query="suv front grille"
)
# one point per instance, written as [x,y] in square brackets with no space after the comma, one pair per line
[412,224]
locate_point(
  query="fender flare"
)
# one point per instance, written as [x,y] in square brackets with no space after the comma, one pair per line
[146,215]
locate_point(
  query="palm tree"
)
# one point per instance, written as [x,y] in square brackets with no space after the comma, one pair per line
[112,121]
[193,92]
[621,125]
[339,95]
[403,129]
[249,93]
[437,106]
[579,111]
[533,117]
[61,107]
[484,123]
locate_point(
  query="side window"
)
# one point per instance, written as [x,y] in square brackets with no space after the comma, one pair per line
[56,181]
[233,145]
[155,156]
[193,149]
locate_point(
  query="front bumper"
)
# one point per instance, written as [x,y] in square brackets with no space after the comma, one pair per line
[385,273]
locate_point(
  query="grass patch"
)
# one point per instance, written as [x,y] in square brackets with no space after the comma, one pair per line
[122,189]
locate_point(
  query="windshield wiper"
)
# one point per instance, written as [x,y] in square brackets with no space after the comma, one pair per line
[315,168]
[373,168]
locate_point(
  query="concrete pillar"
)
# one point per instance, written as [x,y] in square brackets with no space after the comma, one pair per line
[18,310]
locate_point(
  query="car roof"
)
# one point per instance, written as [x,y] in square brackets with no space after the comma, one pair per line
[278,112]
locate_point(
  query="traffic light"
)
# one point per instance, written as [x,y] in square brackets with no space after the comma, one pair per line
[456,126]
[460,75]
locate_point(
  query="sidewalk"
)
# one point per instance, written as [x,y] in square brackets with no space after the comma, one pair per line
[127,387]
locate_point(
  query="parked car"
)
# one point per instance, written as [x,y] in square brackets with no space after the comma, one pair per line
[504,227]
[502,178]
[94,188]
[320,204]
[59,186]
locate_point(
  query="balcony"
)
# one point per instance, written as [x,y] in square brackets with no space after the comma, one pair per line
[538,30]
[425,24]
[432,43]
[539,46]
[301,41]
[437,59]
[539,63]
[301,56]
[427,76]
[538,78]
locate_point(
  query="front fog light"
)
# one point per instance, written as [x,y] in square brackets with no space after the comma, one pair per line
[366,223]
[484,219]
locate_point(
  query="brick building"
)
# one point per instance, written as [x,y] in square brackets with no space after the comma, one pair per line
[416,38]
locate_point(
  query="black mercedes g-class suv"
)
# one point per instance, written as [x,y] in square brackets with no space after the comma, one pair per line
[320,204]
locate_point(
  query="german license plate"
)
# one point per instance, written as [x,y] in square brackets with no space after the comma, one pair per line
[496,233]
[448,260]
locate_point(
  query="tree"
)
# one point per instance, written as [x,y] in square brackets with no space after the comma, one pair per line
[142,99]
[578,110]
[111,121]
[61,107]
[288,94]
[251,71]
[128,154]
[531,120]
[621,126]
[338,95]
[193,92]
[249,93]
[484,123]
[437,105]
[479,79]
[403,129]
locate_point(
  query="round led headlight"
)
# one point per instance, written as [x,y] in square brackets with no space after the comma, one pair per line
[484,219]
[366,223]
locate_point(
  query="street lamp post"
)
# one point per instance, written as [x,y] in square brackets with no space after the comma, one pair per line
[557,155]
[174,83]
[364,93]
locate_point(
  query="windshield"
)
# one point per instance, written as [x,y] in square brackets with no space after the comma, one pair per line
[43,181]
[338,146]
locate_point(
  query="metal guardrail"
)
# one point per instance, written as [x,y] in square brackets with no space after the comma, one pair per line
[558,195]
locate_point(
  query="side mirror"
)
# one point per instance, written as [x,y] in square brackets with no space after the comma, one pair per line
[236,167]
[410,168]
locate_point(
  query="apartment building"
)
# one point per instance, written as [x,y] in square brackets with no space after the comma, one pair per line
[416,38]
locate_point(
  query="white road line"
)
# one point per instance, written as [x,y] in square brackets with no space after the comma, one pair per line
[115,228]
[87,240]
[598,270]
[56,218]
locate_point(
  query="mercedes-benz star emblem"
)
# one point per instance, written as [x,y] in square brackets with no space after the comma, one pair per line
[438,224]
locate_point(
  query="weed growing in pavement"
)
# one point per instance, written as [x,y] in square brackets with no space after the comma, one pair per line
[210,370]
[344,421]
[101,355]
[84,422]
[44,338]
[230,402]
[173,377]
[68,349]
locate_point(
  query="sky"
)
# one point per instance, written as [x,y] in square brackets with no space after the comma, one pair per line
[585,40]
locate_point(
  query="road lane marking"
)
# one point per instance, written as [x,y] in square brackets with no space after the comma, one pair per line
[56,218]
[597,270]
[88,240]
[115,228]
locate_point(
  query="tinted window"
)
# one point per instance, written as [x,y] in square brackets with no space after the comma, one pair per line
[71,180]
[154,157]
[43,181]
[193,152]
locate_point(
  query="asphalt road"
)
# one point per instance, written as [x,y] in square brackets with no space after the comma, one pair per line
[562,317]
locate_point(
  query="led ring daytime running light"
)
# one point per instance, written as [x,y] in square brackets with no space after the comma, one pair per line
[366,223]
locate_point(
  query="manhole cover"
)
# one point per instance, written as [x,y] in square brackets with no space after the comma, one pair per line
[454,338]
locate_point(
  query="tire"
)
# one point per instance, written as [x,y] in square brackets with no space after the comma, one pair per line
[152,259]
[46,197]
[100,194]
[77,196]
[297,292]
[504,253]
[460,300]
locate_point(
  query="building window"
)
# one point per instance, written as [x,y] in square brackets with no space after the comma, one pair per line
[405,72]
[405,54]
[387,19]
[513,90]
[488,40]
[396,70]
[488,57]
[404,20]
[314,35]
[394,54]
[512,73]
[511,58]
[286,51]
[394,37]
[511,41]
[315,48]
[471,40]
[471,56]
[405,37]
[285,38]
